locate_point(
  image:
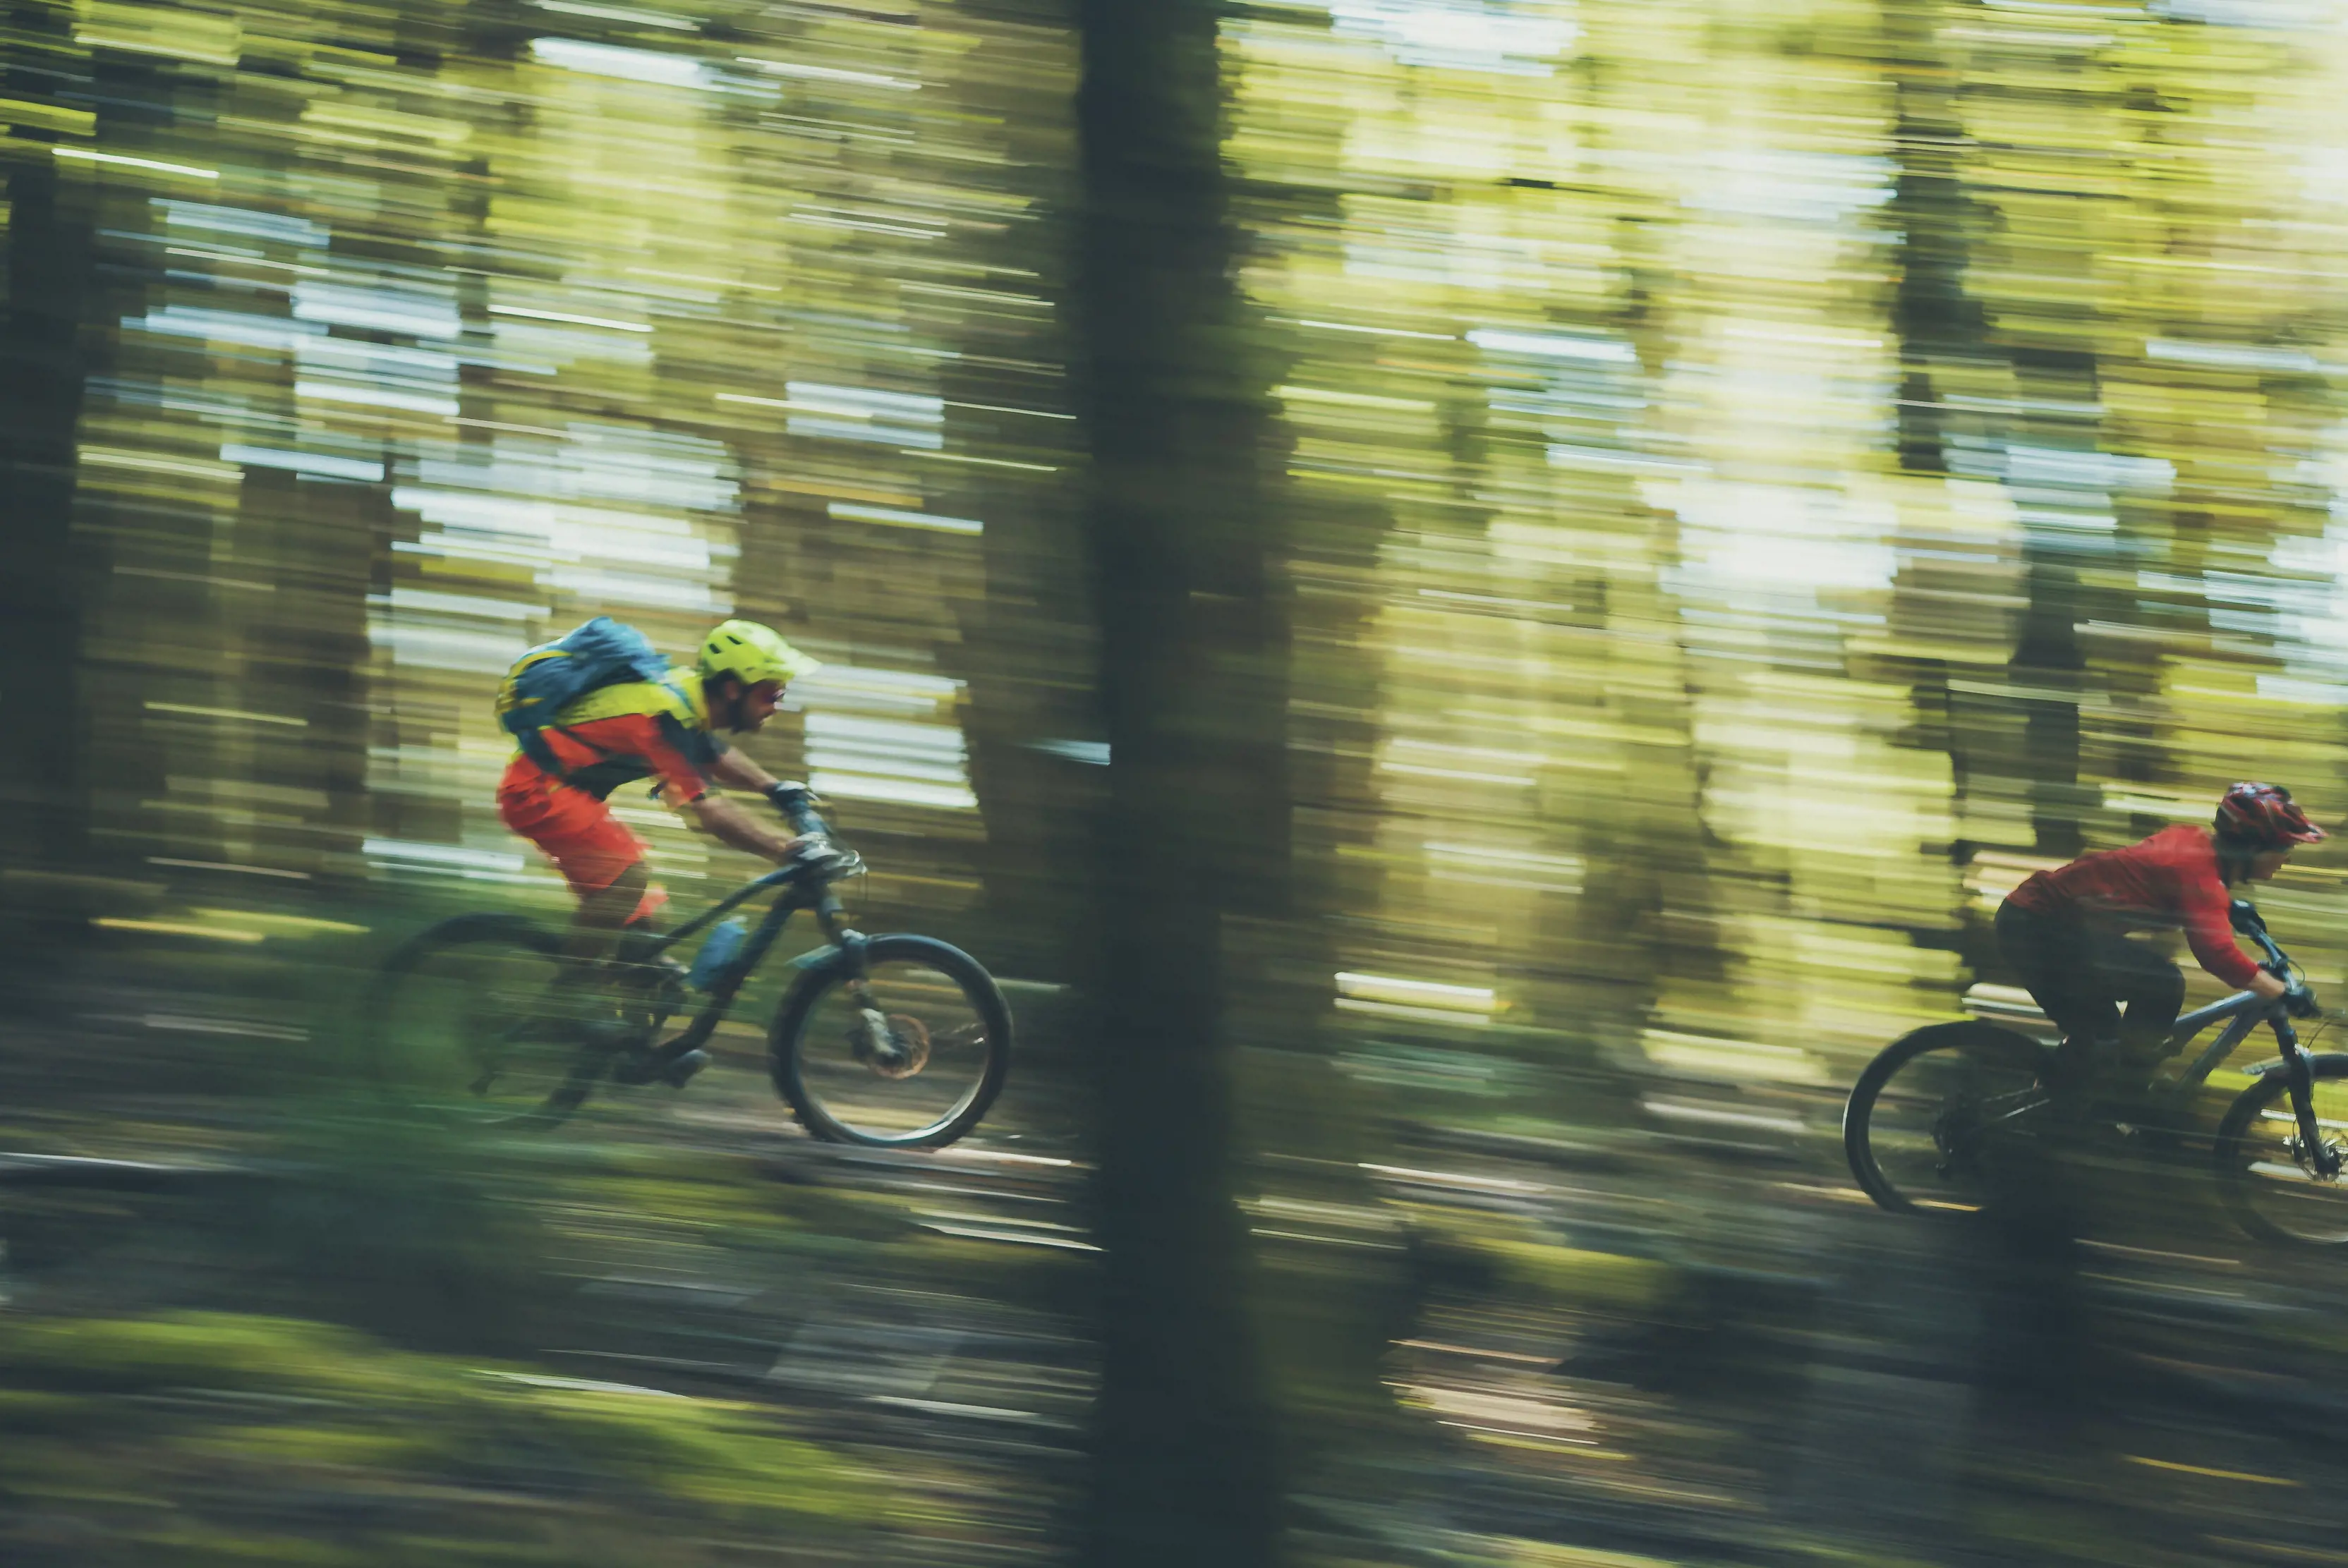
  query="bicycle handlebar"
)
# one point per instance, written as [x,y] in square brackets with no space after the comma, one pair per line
[2244,917]
[2298,1000]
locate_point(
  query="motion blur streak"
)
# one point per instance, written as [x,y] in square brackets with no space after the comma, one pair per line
[1741,486]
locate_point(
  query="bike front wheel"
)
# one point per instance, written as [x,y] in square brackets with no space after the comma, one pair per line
[1925,1121]
[910,1058]
[466,1019]
[2268,1175]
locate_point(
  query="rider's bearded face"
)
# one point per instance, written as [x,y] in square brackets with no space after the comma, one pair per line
[2267,862]
[754,705]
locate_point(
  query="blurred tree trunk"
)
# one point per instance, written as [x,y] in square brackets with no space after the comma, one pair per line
[2021,1305]
[1194,650]
[41,376]
[1948,349]
[1940,326]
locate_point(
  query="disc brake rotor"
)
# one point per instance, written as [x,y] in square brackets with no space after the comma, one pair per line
[2304,1158]
[891,1045]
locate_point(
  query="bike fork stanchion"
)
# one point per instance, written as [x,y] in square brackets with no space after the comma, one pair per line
[876,1042]
[878,1048]
[2315,1151]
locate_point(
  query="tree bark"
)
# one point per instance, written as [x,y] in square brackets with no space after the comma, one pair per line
[42,819]
[1194,653]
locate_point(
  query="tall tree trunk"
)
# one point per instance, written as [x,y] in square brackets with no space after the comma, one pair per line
[44,284]
[41,373]
[1193,679]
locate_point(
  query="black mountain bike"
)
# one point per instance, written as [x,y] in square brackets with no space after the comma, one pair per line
[895,1041]
[1926,1120]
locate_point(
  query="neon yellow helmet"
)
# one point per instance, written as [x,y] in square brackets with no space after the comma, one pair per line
[752,653]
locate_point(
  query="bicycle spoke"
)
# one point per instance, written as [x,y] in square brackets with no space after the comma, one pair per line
[2018,1105]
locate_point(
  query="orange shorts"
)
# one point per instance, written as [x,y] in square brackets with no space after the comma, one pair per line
[587,843]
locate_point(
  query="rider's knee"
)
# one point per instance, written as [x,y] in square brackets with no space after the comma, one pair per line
[618,902]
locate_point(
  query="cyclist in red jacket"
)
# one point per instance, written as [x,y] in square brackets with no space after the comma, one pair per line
[2064,931]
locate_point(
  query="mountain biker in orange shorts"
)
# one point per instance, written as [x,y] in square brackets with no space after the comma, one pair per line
[668,731]
[2063,931]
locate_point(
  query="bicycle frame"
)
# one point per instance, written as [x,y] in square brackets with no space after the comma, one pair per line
[2245,1008]
[725,984]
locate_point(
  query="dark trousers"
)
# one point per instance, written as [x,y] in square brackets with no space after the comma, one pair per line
[2083,975]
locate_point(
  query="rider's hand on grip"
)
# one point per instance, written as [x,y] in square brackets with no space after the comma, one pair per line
[798,803]
[2299,999]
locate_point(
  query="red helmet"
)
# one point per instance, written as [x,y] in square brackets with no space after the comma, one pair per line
[2262,814]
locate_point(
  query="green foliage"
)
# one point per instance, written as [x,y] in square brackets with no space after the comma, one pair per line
[221,1437]
[401,1225]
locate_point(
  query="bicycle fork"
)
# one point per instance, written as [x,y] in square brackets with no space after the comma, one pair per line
[876,1044]
[2314,1151]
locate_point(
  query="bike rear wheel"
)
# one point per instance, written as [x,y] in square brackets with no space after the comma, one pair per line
[468,1019]
[1925,1121]
[2268,1179]
[912,1061]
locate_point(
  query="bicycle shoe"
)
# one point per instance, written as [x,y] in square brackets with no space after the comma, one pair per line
[644,1067]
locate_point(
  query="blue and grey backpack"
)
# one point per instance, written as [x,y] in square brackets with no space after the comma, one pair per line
[543,682]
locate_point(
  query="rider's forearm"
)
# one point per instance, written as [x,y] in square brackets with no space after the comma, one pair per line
[2266,987]
[729,823]
[732,768]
